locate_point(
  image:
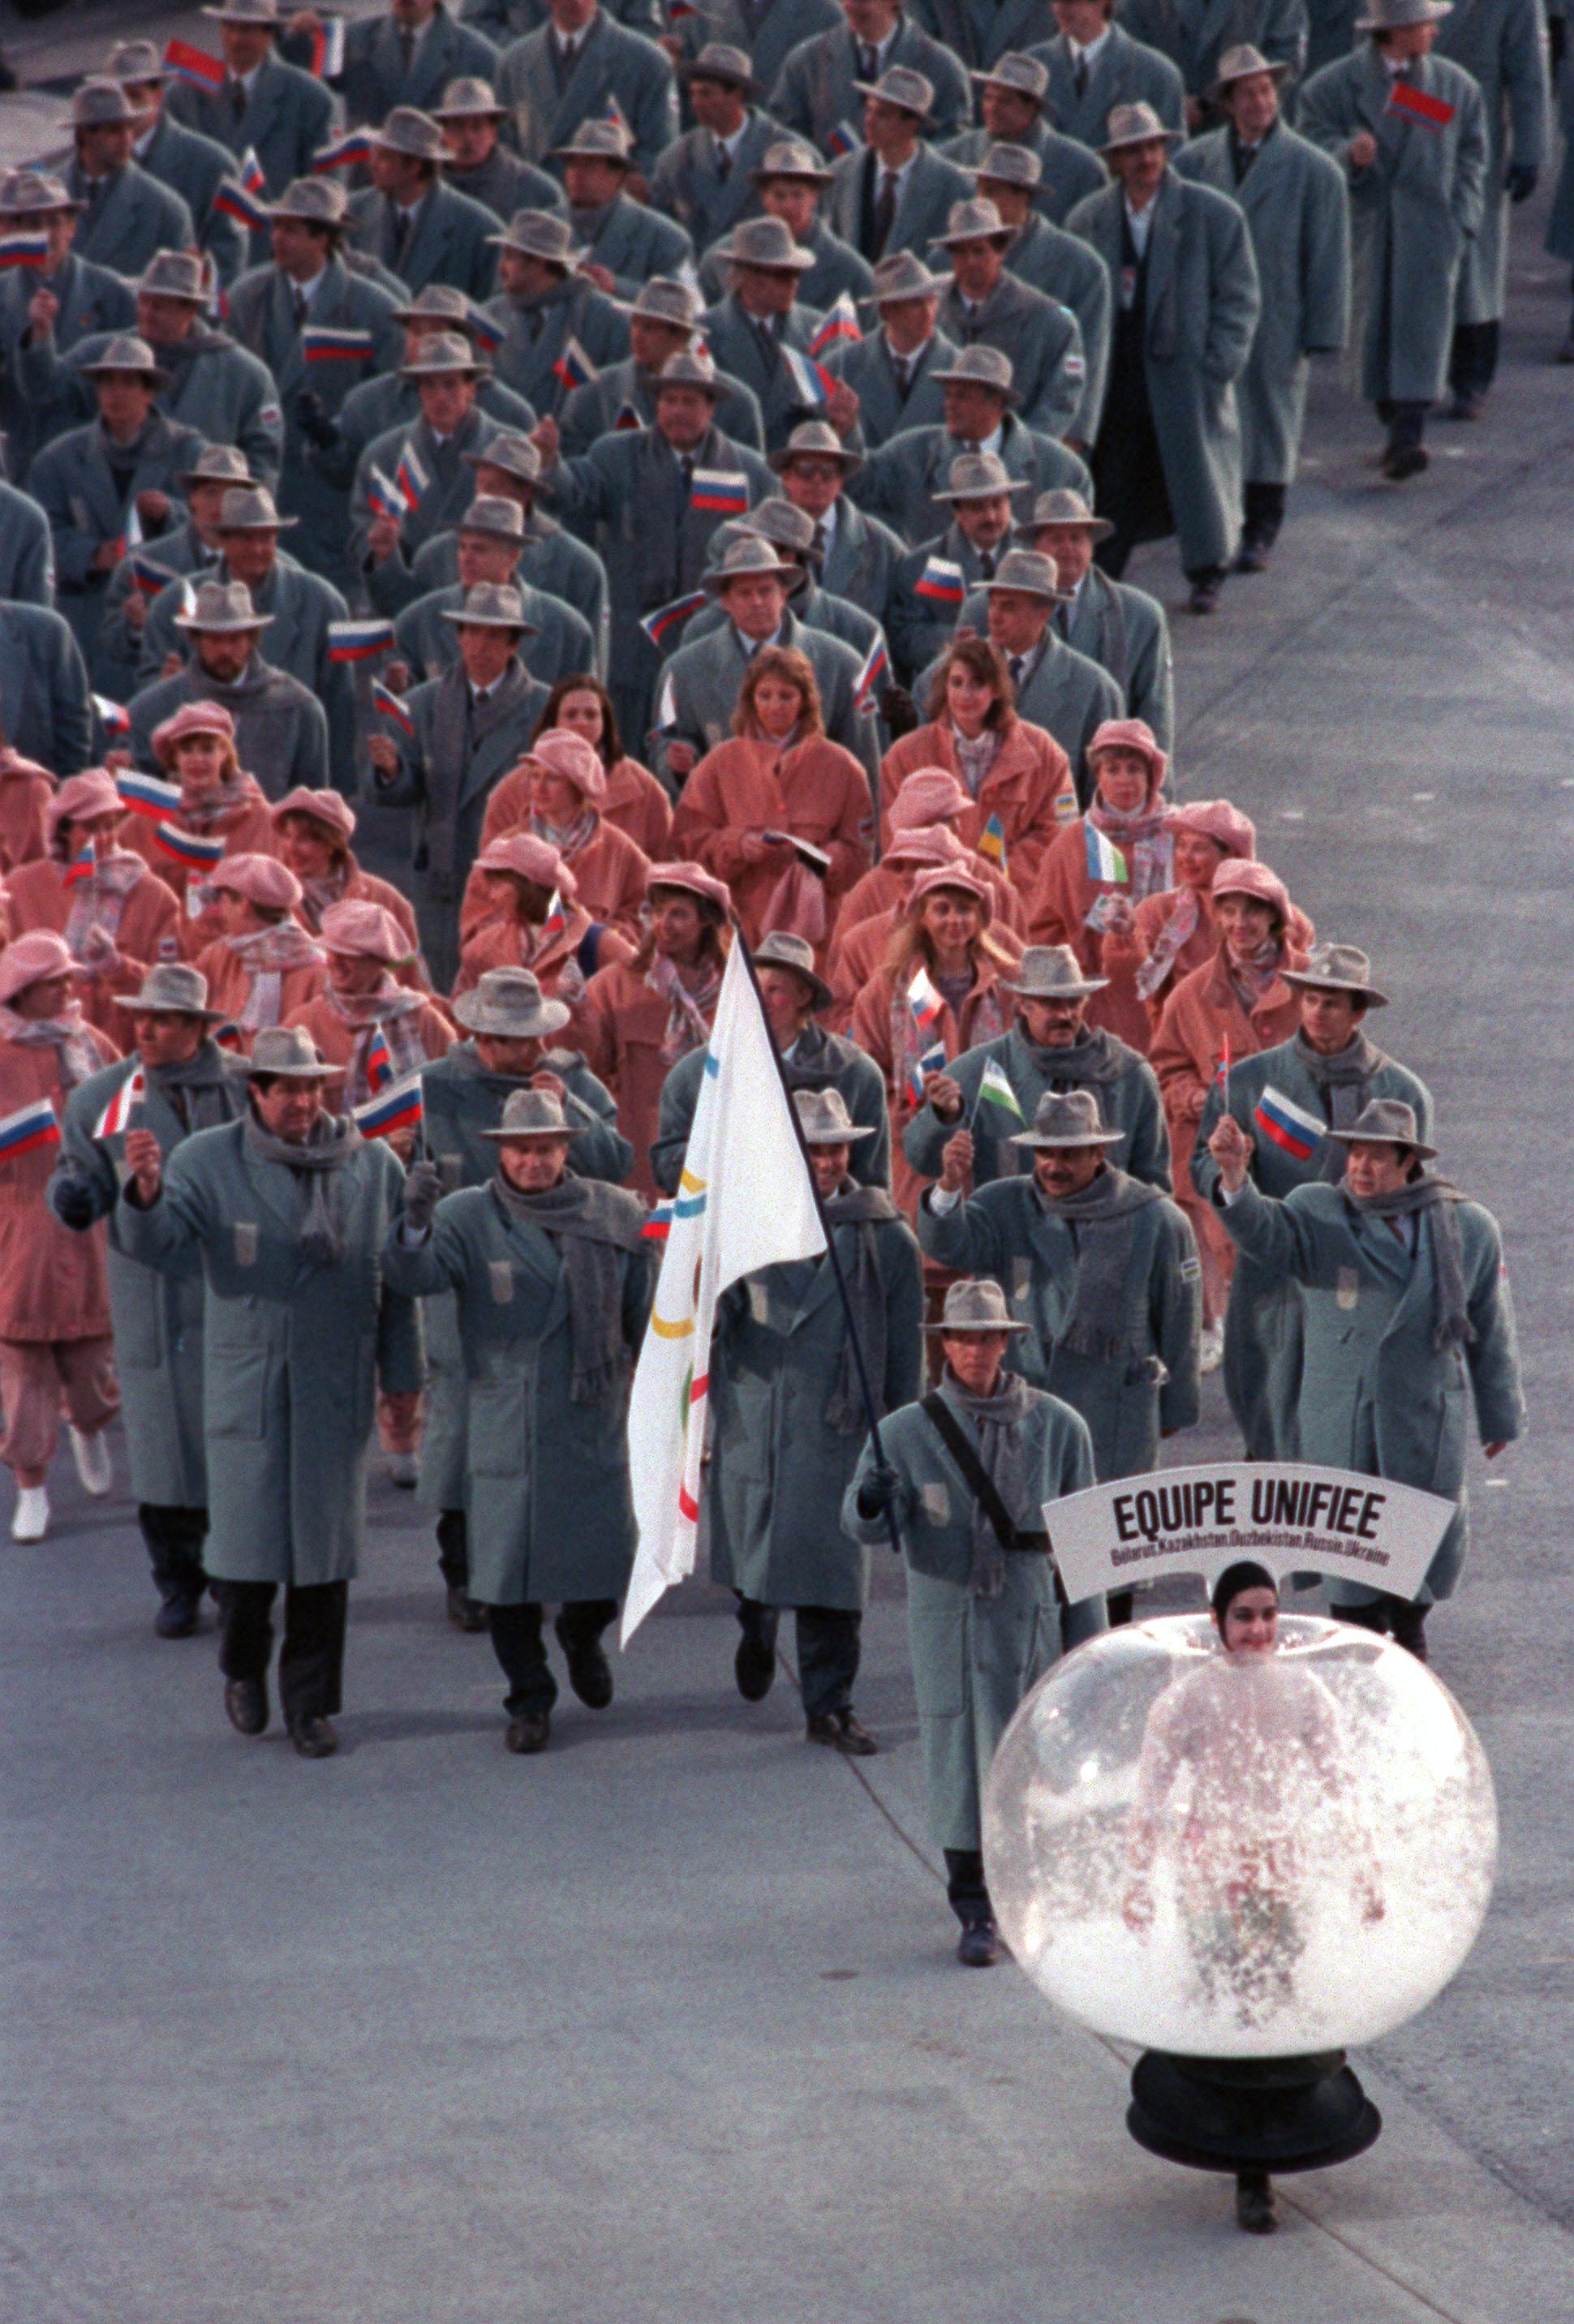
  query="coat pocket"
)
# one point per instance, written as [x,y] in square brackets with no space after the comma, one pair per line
[939,1678]
[497,1427]
[236,1394]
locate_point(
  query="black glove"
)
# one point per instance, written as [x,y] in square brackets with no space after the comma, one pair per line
[1519,179]
[424,1191]
[878,1492]
[311,419]
[71,1200]
[899,711]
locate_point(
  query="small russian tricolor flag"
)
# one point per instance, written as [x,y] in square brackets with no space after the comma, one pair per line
[928,1008]
[332,343]
[658,1225]
[350,152]
[719,491]
[991,842]
[843,139]
[82,866]
[145,795]
[873,676]
[112,716]
[186,847]
[1290,1127]
[245,207]
[328,49]
[379,1060]
[556,921]
[1403,97]
[411,481]
[149,578]
[382,498]
[612,111]
[250,172]
[940,582]
[195,65]
[574,368]
[359,640]
[402,1107]
[1221,1078]
[127,1097]
[488,335]
[812,383]
[840,323]
[24,250]
[628,418]
[657,626]
[1105,859]
[387,704]
[28,1129]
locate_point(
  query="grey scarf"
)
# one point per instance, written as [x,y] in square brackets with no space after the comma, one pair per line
[67,1035]
[316,1165]
[591,1223]
[859,1208]
[1431,1196]
[998,1420]
[198,1089]
[1092,1062]
[814,1063]
[456,736]
[1103,1219]
[1343,1084]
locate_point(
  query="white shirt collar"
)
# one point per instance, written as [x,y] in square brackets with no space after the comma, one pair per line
[1091,53]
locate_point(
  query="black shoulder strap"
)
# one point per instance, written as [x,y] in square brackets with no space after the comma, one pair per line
[939,1412]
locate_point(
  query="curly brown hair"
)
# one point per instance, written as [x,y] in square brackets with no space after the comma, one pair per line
[609,749]
[784,662]
[985,662]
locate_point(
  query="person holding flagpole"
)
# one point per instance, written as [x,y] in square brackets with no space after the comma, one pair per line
[115,917]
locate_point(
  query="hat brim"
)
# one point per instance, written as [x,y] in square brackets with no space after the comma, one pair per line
[493,621]
[967,379]
[1098,527]
[1280,71]
[1423,1152]
[695,70]
[713,584]
[1041,1143]
[815,177]
[467,112]
[528,1137]
[274,523]
[1366,993]
[818,990]
[1430,15]
[933,286]
[970,1330]
[478,369]
[851,462]
[1021,589]
[624,162]
[247,483]
[853,1135]
[245,1069]
[476,1018]
[133,1000]
[993,491]
[1148,137]
[1083,991]
[884,96]
[156,379]
[221,630]
[566,259]
[1001,234]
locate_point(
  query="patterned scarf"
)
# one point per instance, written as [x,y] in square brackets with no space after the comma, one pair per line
[391,1010]
[265,954]
[976,758]
[1102,1218]
[1343,1084]
[1179,928]
[1148,845]
[66,1034]
[689,1006]
[589,1225]
[998,1420]
[222,803]
[316,1166]
[1428,1196]
[318,896]
[572,836]
[1253,979]
[93,918]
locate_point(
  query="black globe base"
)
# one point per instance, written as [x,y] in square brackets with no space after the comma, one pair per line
[1251,2116]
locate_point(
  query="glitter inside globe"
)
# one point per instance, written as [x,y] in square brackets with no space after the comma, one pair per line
[1240,1855]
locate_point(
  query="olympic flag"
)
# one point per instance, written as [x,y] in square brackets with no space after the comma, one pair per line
[745,1200]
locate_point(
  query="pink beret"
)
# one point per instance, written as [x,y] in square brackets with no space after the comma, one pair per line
[1244,876]
[1216,819]
[1131,734]
[695,881]
[260,879]
[365,930]
[79,799]
[191,718]
[528,858]
[936,844]
[563,752]
[947,875]
[323,806]
[928,795]
[29,960]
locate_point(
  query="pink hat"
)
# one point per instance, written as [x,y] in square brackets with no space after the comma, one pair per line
[695,881]
[563,752]
[365,931]
[928,795]
[947,875]
[1218,820]
[191,718]
[29,960]
[262,880]
[933,844]
[329,807]
[528,858]
[1244,876]
[1131,735]
[79,799]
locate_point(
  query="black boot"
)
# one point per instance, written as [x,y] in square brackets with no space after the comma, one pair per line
[453,1558]
[1255,2203]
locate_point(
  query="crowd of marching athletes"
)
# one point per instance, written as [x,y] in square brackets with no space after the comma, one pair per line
[672,472]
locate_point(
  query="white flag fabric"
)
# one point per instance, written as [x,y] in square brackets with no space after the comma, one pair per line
[745,1200]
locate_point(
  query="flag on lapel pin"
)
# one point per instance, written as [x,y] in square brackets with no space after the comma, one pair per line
[144,795]
[940,582]
[82,866]
[574,368]
[840,323]
[991,843]
[328,49]
[115,720]
[243,204]
[874,675]
[335,343]
[28,1129]
[360,641]
[350,152]
[812,383]
[1105,859]
[400,1107]
[388,705]
[719,491]
[24,250]
[928,1008]
[195,65]
[1287,1125]
[1403,97]
[659,625]
[186,847]
[117,1115]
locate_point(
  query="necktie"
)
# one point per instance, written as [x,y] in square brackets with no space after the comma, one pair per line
[969,319]
[407,48]
[987,563]
[686,470]
[299,296]
[868,62]
[723,163]
[817,548]
[1061,618]
[903,367]
[884,210]
[766,331]
[237,99]
[1016,664]
[1079,74]
[402,222]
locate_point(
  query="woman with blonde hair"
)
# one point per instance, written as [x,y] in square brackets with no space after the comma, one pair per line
[635,802]
[779,780]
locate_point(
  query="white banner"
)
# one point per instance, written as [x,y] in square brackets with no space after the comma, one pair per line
[1286,1515]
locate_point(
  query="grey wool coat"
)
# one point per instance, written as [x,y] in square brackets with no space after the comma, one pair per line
[1375,1395]
[778,1468]
[294,1354]
[550,1508]
[737,349]
[1414,213]
[195,167]
[613,64]
[1126,72]
[1293,196]
[1263,1337]
[1068,171]
[1065,692]
[39,394]
[815,91]
[701,684]
[374,80]
[1202,307]
[688,187]
[621,388]
[1498,42]
[1126,1399]
[74,485]
[43,689]
[449,243]
[1043,341]
[131,217]
[902,478]
[27,554]
[299,610]
[370,410]
[820,1060]
[462,1100]
[448,494]
[1128,1100]
[536,334]
[553,562]
[1195,33]
[157,1312]
[885,409]
[1048,259]
[922,205]
[562,647]
[1127,634]
[632,242]
[974,1657]
[288,116]
[280,728]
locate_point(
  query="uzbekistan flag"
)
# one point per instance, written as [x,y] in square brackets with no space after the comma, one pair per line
[657,625]
[379,1060]
[940,582]
[486,334]
[351,152]
[1105,859]
[335,343]
[328,49]
[875,674]
[991,843]
[719,491]
[841,323]
[574,368]
[24,250]
[411,481]
[145,795]
[387,704]
[812,383]
[995,1089]
[1290,1128]
[399,1108]
[194,65]
[359,640]
[1414,103]
[27,1130]
[82,866]
[117,1114]
[240,204]
[115,720]
[185,847]
[843,139]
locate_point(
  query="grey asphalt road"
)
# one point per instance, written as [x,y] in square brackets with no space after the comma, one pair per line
[665,2024]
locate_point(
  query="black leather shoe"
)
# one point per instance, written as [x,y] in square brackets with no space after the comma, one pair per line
[1469,403]
[978,1946]
[464,1612]
[841,1730]
[1408,460]
[1252,558]
[245,1704]
[1206,593]
[754,1668]
[590,1671]
[176,1619]
[1255,2203]
[531,1731]
[314,1739]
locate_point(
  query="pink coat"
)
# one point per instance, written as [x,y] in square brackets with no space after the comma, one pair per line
[1029,787]
[25,789]
[149,931]
[502,944]
[611,875]
[245,829]
[52,1283]
[880,890]
[621,1025]
[816,791]
[634,804]
[228,982]
[872,1030]
[1058,915]
[336,1040]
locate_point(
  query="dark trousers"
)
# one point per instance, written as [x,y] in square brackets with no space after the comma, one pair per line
[965,1889]
[1405,423]
[174,1538]
[830,1645]
[1265,515]
[311,1658]
[453,1548]
[1473,359]
[1398,1618]
[522,1654]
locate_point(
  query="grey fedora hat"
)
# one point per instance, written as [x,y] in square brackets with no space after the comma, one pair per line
[286,1051]
[1053,973]
[535,1114]
[216,464]
[795,953]
[595,141]
[1337,968]
[905,276]
[899,85]
[823,1118]
[1009,165]
[222,605]
[764,242]
[514,454]
[29,193]
[1135,125]
[782,521]
[250,508]
[1024,74]
[492,606]
[440,303]
[1064,506]
[409,131]
[977,220]
[719,60]
[982,366]
[979,477]
[1068,1118]
[173,274]
[815,439]
[1240,64]
[690,367]
[790,157]
[976,1304]
[1385,1121]
[170,987]
[663,299]
[540,233]
[134,64]
[508,1003]
[1394,15]
[469,99]
[1024,570]
[745,558]
[127,352]
[99,102]
[444,355]
[489,513]
[248,11]
[315,201]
